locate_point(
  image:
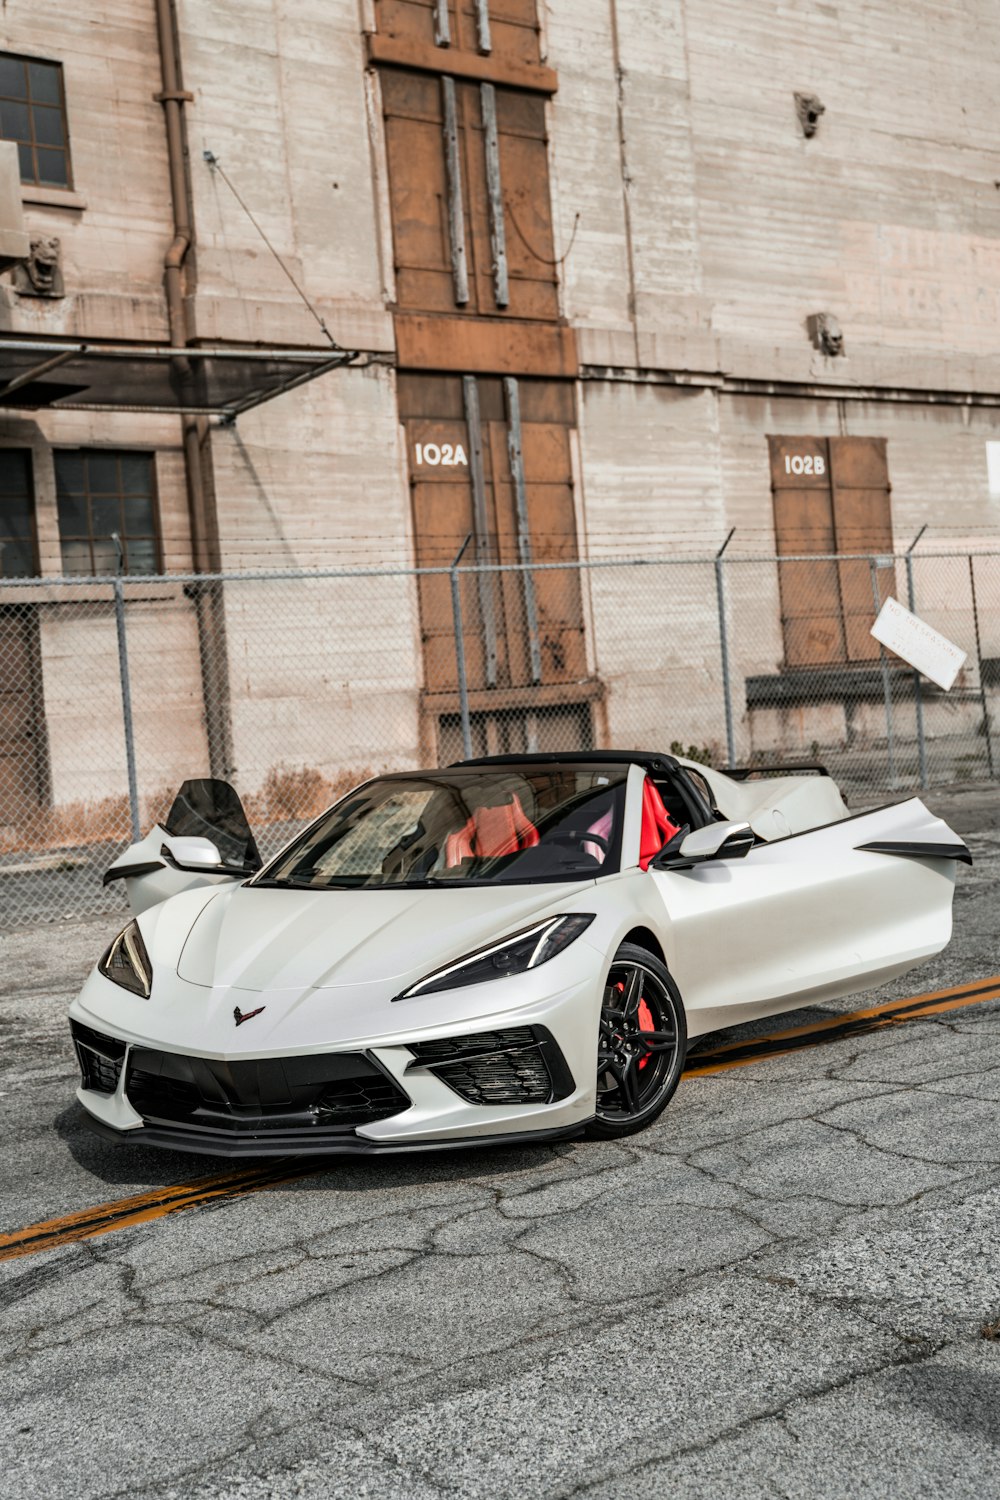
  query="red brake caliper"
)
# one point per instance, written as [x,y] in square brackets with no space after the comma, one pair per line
[645,1018]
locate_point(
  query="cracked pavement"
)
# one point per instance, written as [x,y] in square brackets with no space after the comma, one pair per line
[778,1290]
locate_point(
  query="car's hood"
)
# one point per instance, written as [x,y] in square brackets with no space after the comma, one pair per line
[252,938]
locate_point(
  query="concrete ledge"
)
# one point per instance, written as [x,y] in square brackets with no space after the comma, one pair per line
[844,684]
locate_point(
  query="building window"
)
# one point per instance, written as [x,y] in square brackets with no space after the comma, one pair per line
[103,493]
[33,113]
[831,501]
[18,555]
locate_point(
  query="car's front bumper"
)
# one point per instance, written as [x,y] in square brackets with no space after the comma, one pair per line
[436,1086]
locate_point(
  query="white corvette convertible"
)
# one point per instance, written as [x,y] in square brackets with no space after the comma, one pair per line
[512,948]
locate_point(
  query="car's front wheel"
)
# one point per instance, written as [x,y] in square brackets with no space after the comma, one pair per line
[641,1045]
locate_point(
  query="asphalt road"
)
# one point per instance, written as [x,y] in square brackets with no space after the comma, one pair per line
[778,1290]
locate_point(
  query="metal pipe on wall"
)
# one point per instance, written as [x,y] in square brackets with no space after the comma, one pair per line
[918,692]
[979,668]
[173,97]
[200,494]
[890,740]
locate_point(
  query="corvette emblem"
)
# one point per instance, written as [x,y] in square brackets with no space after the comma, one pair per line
[239,1016]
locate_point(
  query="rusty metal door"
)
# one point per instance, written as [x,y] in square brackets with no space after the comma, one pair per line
[469,197]
[533,504]
[862,519]
[506,31]
[831,495]
[811,614]
[490,461]
[23,758]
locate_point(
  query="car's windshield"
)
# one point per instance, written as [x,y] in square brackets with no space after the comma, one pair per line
[467,825]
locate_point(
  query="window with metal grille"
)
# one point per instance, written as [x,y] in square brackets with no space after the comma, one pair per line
[831,504]
[33,113]
[103,493]
[18,554]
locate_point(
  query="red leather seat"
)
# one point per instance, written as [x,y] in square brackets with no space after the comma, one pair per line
[492,831]
[657,829]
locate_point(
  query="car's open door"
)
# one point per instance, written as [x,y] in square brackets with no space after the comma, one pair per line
[827,912]
[205,839]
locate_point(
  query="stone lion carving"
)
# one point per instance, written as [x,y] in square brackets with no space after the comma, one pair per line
[41,275]
[809,109]
[826,334]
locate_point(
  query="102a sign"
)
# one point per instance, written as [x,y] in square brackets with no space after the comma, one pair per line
[445,455]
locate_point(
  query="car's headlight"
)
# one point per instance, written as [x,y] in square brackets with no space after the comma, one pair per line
[514,955]
[127,962]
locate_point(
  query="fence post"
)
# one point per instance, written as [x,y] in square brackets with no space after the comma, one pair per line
[979,669]
[918,697]
[886,687]
[727,695]
[123,673]
[463,681]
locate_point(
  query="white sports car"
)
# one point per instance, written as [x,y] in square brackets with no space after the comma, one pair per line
[513,948]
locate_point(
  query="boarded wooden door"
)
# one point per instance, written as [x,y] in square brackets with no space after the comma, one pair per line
[510,34]
[860,494]
[468,488]
[424,197]
[831,497]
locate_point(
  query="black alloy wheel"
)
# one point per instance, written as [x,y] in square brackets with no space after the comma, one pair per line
[641,1046]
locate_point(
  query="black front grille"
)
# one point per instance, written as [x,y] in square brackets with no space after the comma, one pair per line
[326,1091]
[100,1058]
[522,1065]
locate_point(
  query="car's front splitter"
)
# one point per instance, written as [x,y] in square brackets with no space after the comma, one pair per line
[305,1143]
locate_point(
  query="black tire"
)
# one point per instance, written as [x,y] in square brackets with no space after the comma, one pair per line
[636,1078]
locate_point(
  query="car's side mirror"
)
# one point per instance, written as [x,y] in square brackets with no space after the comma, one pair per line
[197,855]
[206,809]
[715,841]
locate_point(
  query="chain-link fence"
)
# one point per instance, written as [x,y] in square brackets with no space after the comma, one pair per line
[295,685]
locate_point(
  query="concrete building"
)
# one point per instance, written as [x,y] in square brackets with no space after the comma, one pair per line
[617,276]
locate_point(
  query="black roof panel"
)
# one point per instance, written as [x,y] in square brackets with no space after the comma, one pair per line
[652,760]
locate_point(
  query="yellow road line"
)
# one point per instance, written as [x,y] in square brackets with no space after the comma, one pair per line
[143,1208]
[836,1028]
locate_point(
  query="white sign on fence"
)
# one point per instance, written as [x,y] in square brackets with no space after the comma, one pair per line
[918,643]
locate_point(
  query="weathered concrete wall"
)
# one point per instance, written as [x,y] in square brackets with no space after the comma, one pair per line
[888,216]
[115,225]
[651,452]
[280,98]
[315,479]
[83,701]
[324,675]
[710,228]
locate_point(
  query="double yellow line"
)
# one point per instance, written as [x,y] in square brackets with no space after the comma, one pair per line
[836,1028]
[143,1208]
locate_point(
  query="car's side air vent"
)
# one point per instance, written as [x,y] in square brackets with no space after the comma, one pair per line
[522,1065]
[100,1058]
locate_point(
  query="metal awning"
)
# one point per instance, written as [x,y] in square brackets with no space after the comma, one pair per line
[149,378]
